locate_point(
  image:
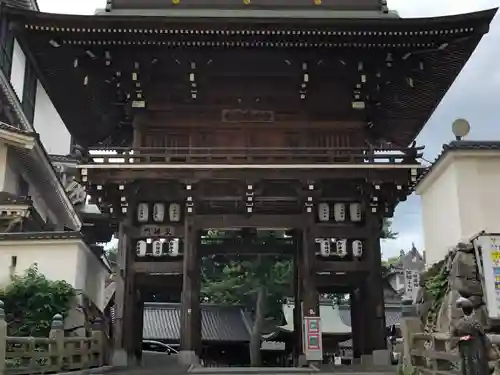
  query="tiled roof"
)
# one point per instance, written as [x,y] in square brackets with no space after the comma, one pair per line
[63,159]
[331,324]
[34,236]
[363,5]
[13,129]
[471,145]
[337,319]
[11,199]
[411,260]
[392,316]
[24,4]
[460,146]
[218,323]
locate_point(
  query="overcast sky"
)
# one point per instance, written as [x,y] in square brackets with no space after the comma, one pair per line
[474,96]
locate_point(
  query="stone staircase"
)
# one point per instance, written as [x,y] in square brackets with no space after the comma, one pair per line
[168,364]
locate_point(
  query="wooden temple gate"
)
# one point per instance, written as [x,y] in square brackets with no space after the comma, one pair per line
[334,225]
[244,122]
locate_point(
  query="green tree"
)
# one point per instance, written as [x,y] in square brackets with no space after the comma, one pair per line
[31,301]
[260,286]
[387,233]
[112,255]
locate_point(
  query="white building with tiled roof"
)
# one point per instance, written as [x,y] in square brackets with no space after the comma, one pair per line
[459,195]
[39,222]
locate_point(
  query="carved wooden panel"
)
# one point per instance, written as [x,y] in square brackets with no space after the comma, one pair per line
[230,138]
[284,134]
[246,116]
[166,139]
[324,139]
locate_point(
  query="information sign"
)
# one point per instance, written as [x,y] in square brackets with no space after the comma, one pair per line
[313,347]
[490,269]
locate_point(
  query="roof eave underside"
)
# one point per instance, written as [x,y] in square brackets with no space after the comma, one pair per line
[22,4]
[405,110]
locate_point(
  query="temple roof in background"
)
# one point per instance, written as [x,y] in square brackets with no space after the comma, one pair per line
[218,323]
[336,320]
[412,259]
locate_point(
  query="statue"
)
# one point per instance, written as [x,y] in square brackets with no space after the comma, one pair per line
[473,344]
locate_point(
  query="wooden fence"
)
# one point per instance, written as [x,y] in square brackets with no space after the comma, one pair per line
[430,353]
[56,353]
[434,353]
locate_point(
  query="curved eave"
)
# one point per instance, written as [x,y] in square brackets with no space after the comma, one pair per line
[442,44]
[474,19]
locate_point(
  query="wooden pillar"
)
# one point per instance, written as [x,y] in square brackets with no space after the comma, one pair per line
[124,300]
[374,289]
[137,126]
[357,320]
[139,324]
[310,298]
[297,311]
[190,300]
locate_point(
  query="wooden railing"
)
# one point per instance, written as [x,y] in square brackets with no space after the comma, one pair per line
[56,353]
[434,353]
[162,155]
[430,353]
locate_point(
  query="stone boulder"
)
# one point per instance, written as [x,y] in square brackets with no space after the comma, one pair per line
[464,276]
[448,312]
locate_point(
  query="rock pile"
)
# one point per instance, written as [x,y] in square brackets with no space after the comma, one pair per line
[457,275]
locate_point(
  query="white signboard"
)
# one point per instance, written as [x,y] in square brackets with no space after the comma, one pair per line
[412,284]
[490,250]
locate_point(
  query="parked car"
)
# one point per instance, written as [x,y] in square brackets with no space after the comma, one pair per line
[152,346]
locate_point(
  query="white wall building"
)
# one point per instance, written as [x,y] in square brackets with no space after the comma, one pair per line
[59,256]
[460,196]
[45,119]
[38,222]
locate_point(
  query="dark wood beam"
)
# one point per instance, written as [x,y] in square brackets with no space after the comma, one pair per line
[251,221]
[102,176]
[343,283]
[341,267]
[348,231]
[159,268]
[246,249]
[160,283]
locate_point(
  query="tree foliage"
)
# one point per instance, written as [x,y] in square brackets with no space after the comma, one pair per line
[31,300]
[387,233]
[112,254]
[259,285]
[237,281]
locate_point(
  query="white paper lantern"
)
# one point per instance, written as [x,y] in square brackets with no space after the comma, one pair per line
[339,211]
[323,211]
[174,212]
[173,247]
[158,212]
[357,248]
[157,248]
[142,212]
[325,248]
[141,248]
[341,247]
[355,212]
